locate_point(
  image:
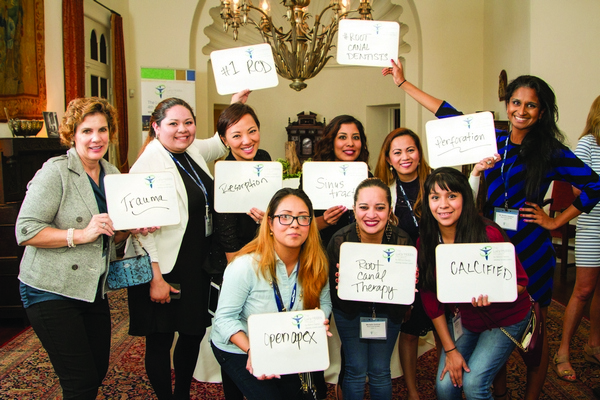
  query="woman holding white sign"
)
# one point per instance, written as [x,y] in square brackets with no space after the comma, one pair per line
[475,347]
[282,269]
[532,156]
[365,356]
[402,167]
[239,130]
[176,300]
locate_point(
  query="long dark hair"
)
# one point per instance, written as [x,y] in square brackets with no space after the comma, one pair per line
[469,229]
[324,147]
[544,139]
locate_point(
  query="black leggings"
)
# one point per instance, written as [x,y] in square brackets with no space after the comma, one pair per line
[158,363]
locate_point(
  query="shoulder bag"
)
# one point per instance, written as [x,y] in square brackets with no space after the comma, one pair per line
[131,271]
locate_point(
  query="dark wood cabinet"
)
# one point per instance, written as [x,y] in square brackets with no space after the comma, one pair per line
[305,132]
[20,160]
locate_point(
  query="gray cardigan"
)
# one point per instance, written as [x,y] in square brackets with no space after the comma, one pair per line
[60,196]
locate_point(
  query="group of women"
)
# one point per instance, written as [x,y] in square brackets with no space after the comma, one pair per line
[286,257]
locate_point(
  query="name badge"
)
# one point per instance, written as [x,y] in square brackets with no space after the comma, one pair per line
[373,328]
[507,219]
[208,225]
[457,326]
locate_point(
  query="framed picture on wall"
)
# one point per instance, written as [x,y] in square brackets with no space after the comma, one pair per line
[51,122]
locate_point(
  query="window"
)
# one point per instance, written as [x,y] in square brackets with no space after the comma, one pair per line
[97,57]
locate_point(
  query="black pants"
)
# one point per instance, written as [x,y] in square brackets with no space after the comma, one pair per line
[76,335]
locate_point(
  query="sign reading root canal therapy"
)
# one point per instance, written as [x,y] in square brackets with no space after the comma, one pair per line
[288,342]
[241,185]
[460,140]
[141,200]
[379,273]
[332,183]
[467,270]
[367,43]
[248,67]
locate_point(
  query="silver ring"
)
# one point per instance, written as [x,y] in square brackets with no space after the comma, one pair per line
[488,162]
[104,224]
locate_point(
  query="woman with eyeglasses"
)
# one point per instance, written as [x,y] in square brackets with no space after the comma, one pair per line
[283,269]
[375,223]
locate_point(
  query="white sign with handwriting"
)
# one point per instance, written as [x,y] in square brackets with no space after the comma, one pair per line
[369,43]
[332,183]
[379,273]
[288,342]
[248,67]
[241,185]
[467,270]
[141,200]
[460,140]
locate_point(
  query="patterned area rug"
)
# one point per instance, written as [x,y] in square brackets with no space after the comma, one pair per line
[26,372]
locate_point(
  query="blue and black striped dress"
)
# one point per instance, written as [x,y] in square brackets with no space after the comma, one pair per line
[532,242]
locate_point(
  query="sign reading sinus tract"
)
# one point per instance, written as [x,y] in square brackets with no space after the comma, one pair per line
[141,200]
[332,183]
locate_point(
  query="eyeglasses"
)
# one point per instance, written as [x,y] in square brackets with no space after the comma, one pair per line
[285,219]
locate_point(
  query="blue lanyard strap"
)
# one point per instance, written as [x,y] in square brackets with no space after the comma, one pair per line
[279,299]
[412,213]
[197,180]
[505,180]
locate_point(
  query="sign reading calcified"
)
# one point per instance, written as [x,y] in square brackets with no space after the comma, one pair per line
[468,270]
[288,342]
[248,67]
[379,273]
[241,185]
[460,140]
[368,43]
[331,184]
[141,200]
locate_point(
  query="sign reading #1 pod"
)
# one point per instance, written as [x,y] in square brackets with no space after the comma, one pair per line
[332,183]
[368,43]
[379,273]
[248,67]
[241,185]
[460,140]
[141,200]
[464,271]
[288,342]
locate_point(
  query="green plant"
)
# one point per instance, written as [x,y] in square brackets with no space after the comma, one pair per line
[286,168]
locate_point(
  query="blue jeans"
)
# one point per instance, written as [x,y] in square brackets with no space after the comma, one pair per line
[485,353]
[366,357]
[288,387]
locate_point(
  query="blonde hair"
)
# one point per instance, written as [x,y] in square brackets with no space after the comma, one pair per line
[592,125]
[79,109]
[383,172]
[313,264]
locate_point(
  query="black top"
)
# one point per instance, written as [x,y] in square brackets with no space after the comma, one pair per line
[348,234]
[405,214]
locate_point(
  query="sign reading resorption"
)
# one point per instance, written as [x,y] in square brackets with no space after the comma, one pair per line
[141,200]
[288,342]
[329,183]
[377,273]
[241,185]
[460,140]
[368,43]
[468,270]
[248,67]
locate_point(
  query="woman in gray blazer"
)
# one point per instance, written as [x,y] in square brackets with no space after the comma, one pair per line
[70,238]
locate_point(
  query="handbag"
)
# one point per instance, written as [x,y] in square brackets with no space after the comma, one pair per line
[131,271]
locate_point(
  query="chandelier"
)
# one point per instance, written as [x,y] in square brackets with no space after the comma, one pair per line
[301,52]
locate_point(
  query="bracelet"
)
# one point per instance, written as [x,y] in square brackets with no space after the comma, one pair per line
[70,237]
[402,83]
[448,351]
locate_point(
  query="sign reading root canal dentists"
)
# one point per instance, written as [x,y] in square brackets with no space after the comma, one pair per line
[248,67]
[368,43]
[467,270]
[288,342]
[141,200]
[332,183]
[460,140]
[379,273]
[241,185]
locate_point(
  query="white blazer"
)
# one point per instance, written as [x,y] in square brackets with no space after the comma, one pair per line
[163,245]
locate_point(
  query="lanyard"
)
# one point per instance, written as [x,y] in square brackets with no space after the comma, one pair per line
[412,213]
[279,299]
[197,181]
[507,173]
